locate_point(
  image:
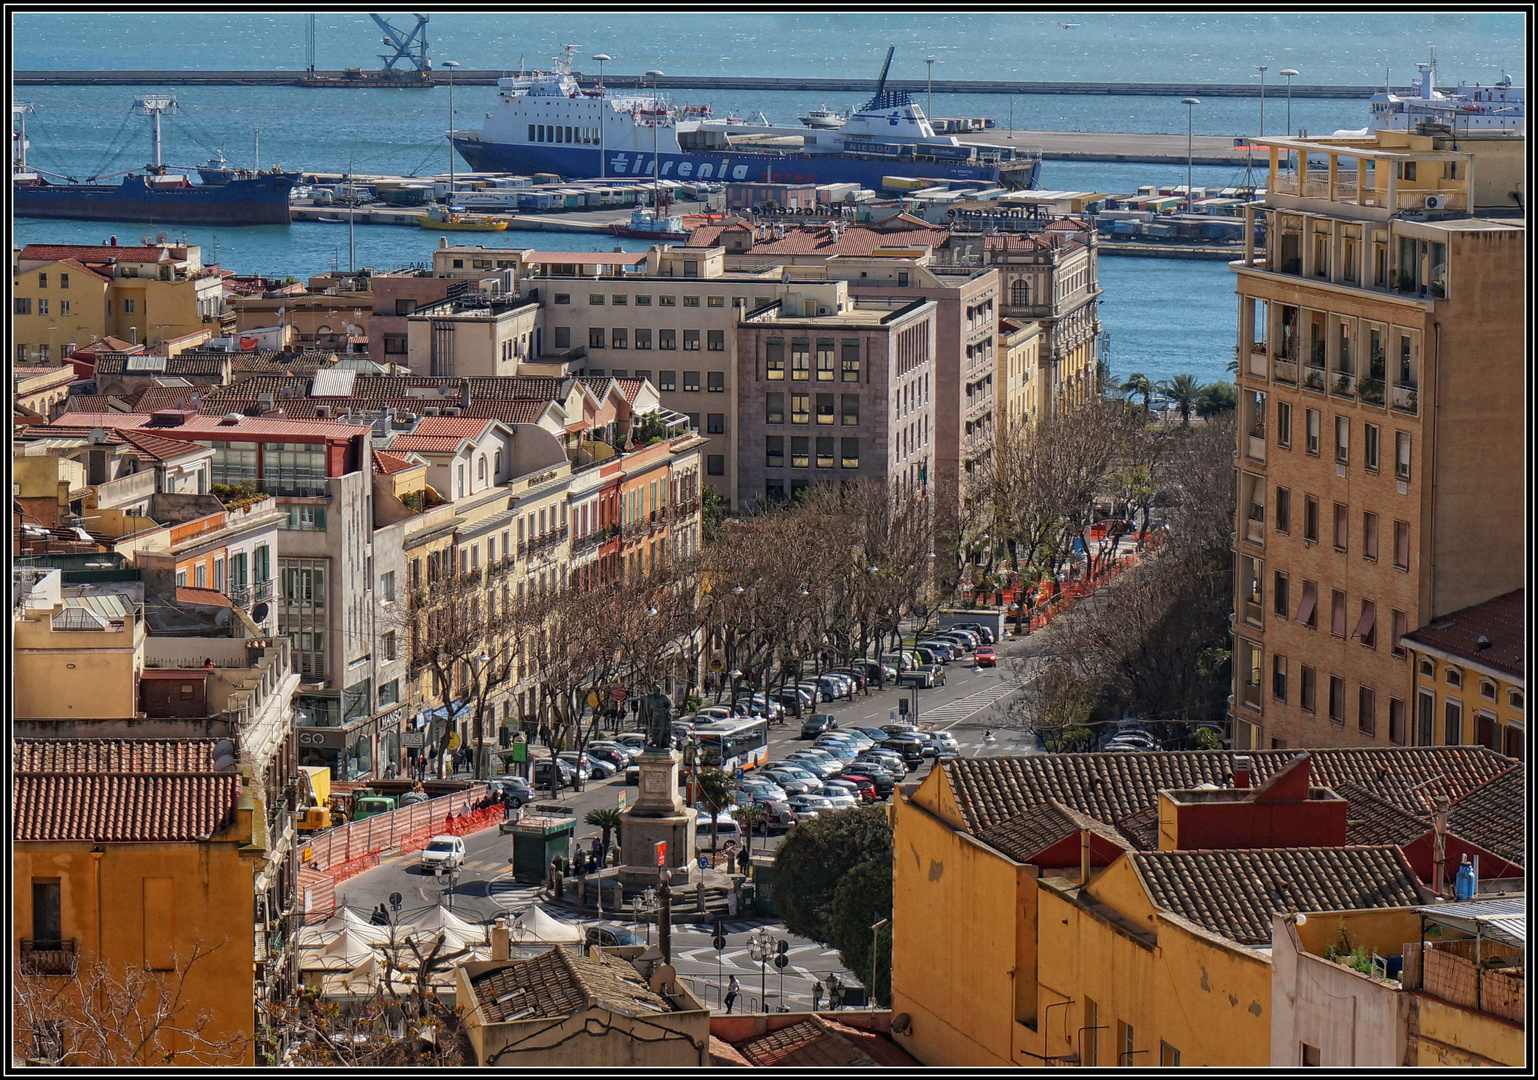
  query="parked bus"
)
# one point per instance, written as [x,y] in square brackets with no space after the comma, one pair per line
[740,743]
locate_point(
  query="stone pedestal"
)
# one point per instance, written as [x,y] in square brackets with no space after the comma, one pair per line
[658,815]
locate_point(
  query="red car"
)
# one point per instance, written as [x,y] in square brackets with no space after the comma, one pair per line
[986,656]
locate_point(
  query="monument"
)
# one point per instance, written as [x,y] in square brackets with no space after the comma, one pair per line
[658,815]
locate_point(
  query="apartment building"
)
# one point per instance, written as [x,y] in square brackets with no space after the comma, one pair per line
[832,389]
[469,334]
[1023,378]
[1380,442]
[1470,677]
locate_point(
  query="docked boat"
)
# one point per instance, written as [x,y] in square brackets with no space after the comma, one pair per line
[546,122]
[439,218]
[824,118]
[647,225]
[156,196]
[1469,108]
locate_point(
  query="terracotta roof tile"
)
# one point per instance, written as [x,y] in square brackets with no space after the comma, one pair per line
[822,1042]
[1141,829]
[112,755]
[158,448]
[1112,787]
[1499,621]
[524,411]
[1495,816]
[1027,835]
[91,252]
[1235,893]
[1371,820]
[559,983]
[459,427]
[387,463]
[818,240]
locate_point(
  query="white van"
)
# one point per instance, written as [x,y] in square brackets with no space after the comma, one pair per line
[727,829]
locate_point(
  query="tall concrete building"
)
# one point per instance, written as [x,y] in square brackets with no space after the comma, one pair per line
[1380,443]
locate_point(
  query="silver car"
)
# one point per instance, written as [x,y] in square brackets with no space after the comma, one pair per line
[811,806]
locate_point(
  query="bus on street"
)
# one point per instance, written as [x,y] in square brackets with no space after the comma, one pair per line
[740,743]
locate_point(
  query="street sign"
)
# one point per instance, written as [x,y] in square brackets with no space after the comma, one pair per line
[622,800]
[782,948]
[902,706]
[453,740]
[395,900]
[414,738]
[718,942]
[592,699]
[520,751]
[617,694]
[782,961]
[662,852]
[717,664]
[704,862]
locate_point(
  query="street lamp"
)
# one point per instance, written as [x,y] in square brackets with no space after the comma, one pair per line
[1262,69]
[451,65]
[478,768]
[1188,103]
[1288,73]
[929,94]
[875,934]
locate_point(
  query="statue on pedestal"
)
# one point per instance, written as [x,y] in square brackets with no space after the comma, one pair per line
[655,712]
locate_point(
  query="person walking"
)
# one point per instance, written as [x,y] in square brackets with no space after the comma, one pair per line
[733,988]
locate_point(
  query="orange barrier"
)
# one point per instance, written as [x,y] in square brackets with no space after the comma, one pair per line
[354,866]
[476,820]
[415,841]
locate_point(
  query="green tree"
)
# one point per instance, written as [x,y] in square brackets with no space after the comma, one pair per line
[1215,398]
[814,858]
[1143,386]
[712,514]
[716,793]
[862,899]
[1181,392]
[608,819]
[752,816]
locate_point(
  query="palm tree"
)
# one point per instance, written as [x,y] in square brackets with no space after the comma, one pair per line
[750,816]
[716,794]
[1138,383]
[1215,398]
[1181,392]
[608,819]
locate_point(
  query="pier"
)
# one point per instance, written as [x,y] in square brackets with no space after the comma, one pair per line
[469,77]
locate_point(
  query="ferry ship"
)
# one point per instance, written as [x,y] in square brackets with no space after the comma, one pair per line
[546,122]
[1469,108]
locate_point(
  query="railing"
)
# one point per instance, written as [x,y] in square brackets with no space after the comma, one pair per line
[1284,370]
[1255,530]
[1345,384]
[1313,377]
[1257,447]
[1405,398]
[246,595]
[188,530]
[48,957]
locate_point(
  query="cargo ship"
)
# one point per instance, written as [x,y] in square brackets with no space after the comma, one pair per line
[155,196]
[1501,107]
[546,122]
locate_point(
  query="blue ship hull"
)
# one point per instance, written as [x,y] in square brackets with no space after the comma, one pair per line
[262,200]
[585,162]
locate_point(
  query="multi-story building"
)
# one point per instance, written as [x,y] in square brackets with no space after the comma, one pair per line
[470,334]
[1022,377]
[1380,450]
[1470,677]
[831,389]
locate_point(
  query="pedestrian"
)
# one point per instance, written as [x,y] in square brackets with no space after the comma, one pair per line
[379,917]
[816,994]
[733,988]
[597,847]
[579,862]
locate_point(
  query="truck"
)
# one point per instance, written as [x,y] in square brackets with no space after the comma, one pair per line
[367,803]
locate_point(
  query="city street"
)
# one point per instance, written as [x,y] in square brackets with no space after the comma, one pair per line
[969,704]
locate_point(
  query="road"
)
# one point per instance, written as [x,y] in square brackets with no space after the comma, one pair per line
[968,705]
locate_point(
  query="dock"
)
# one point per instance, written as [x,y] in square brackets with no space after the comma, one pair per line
[591,221]
[1136,147]
[469,77]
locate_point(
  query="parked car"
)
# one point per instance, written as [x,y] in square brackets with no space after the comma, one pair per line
[806,806]
[821,766]
[567,774]
[636,740]
[761,787]
[944,738]
[586,767]
[625,750]
[859,677]
[965,637]
[835,687]
[443,854]
[818,724]
[798,782]
[944,651]
[926,677]
[615,759]
[900,661]
[822,693]
[777,815]
[984,634]
[985,656]
[792,701]
[875,734]
[759,705]
[882,758]
[612,935]
[874,671]
[842,751]
[512,790]
[910,745]
[863,790]
[842,798]
[880,781]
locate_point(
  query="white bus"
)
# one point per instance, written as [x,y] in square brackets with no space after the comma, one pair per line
[741,743]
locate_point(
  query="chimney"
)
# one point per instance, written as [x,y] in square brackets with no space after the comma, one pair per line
[113,241]
[501,940]
[1241,770]
[1084,840]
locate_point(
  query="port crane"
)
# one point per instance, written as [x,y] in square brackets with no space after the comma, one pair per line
[411,47]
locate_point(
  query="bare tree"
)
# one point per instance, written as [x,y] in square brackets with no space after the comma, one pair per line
[105,1016]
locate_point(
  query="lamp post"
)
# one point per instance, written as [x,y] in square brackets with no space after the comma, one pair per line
[451,65]
[1262,69]
[603,114]
[929,93]
[875,935]
[477,768]
[1288,73]
[1188,103]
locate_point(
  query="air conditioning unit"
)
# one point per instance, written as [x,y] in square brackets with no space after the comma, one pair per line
[1435,202]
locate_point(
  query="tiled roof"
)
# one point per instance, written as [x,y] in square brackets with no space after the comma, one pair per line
[459,427]
[1141,829]
[1027,835]
[1371,820]
[97,403]
[558,983]
[525,411]
[119,790]
[92,252]
[1112,787]
[387,463]
[181,364]
[157,448]
[1495,816]
[1235,893]
[426,444]
[189,594]
[1498,621]
[819,240]
[822,1042]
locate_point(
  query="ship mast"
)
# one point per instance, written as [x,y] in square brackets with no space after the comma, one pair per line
[153,105]
[19,159]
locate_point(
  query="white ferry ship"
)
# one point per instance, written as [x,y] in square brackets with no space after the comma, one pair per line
[546,122]
[1471,108]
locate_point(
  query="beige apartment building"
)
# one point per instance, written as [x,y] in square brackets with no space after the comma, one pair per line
[1380,445]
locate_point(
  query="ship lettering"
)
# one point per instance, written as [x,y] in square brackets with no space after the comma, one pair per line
[618,162]
[740,172]
[667,167]
[686,168]
[707,170]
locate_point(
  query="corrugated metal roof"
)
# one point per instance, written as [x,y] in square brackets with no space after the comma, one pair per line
[333,383]
[1503,920]
[146,363]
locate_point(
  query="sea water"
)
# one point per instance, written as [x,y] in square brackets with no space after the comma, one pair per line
[84,131]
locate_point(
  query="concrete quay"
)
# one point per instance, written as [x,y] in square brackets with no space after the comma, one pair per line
[596,221]
[1130,146]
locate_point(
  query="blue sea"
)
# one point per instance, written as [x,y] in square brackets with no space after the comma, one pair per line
[84,131]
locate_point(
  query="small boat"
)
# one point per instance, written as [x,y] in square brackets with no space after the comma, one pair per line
[645,225]
[439,218]
[824,118]
[216,171]
[329,220]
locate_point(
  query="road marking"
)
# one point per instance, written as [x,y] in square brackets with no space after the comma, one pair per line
[948,715]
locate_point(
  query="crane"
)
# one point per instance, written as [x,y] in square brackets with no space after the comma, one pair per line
[412,46]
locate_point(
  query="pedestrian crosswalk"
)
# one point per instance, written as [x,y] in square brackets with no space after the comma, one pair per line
[962,708]
[512,895]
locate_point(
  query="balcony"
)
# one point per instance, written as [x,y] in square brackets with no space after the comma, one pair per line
[246,595]
[48,957]
[1313,377]
[1255,530]
[1345,384]
[1257,446]
[1370,391]
[1284,370]
[1406,399]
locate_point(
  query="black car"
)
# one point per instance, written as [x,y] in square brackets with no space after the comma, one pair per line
[879,778]
[818,724]
[909,746]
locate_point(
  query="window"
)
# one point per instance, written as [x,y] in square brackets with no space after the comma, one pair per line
[825,413]
[619,300]
[1366,710]
[1401,545]
[667,380]
[387,642]
[42,306]
[563,337]
[1343,440]
[824,452]
[1279,678]
[800,359]
[395,344]
[1452,723]
[1342,515]
[1283,424]
[1369,536]
[667,339]
[1337,613]
[850,458]
[691,301]
[1487,731]
[387,587]
[1308,1055]
[643,301]
[715,382]
[643,373]
[1367,625]
[850,409]
[1311,417]
[389,693]
[715,423]
[800,452]
[774,451]
[1311,519]
[1487,689]
[643,338]
[595,337]
[715,340]
[200,576]
[774,408]
[1125,1043]
[774,358]
[619,339]
[1337,699]
[63,307]
[1370,447]
[1402,455]
[1306,613]
[691,341]
[1283,509]
[800,408]
[1306,688]
[1454,677]
[1400,624]
[1089,1039]
[595,299]
[1396,721]
[1428,668]
[23,305]
[824,359]
[692,382]
[774,490]
[715,464]
[63,281]
[128,307]
[1279,594]
[42,281]
[715,301]
[1169,1057]
[849,359]
[1425,717]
